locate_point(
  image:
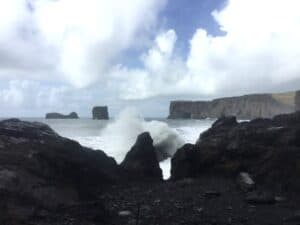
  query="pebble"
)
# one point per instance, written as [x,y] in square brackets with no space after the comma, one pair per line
[229,208]
[260,198]
[199,210]
[125,213]
[209,194]
[245,182]
[280,199]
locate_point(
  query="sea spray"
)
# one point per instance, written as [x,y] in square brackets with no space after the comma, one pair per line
[122,133]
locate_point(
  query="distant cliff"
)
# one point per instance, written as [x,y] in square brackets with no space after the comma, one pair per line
[54,115]
[100,113]
[297,100]
[243,107]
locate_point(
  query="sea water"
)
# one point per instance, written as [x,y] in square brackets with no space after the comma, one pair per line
[116,136]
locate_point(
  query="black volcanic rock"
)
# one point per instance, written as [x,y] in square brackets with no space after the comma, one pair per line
[228,121]
[100,113]
[141,161]
[268,149]
[41,171]
[184,162]
[72,115]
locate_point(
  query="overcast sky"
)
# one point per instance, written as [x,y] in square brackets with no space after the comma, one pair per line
[69,55]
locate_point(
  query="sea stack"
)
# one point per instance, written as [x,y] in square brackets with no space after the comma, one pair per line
[54,115]
[100,113]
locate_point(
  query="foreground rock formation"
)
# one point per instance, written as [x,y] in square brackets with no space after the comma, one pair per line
[100,113]
[141,161]
[72,115]
[41,172]
[237,173]
[243,107]
[48,179]
[269,149]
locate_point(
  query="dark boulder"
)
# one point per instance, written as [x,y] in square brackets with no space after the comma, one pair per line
[40,170]
[221,124]
[141,161]
[184,162]
[72,115]
[100,113]
[265,148]
[228,121]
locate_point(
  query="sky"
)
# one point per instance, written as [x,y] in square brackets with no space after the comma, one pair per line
[70,55]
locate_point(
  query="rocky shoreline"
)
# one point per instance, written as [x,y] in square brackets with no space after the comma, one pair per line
[236,173]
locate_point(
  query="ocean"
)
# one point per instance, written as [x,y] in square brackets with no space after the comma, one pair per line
[116,136]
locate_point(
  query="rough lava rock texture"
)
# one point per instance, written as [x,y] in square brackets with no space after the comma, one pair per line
[41,171]
[100,113]
[243,107]
[72,115]
[268,149]
[141,161]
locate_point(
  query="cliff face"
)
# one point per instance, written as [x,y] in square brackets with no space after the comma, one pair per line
[297,100]
[243,107]
[100,113]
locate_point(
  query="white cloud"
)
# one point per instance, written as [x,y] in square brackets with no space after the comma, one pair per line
[162,69]
[72,40]
[259,52]
[20,94]
[57,46]
[12,96]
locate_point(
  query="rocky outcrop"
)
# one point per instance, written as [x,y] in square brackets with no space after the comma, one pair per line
[141,161]
[42,172]
[184,163]
[100,113]
[72,115]
[243,107]
[267,149]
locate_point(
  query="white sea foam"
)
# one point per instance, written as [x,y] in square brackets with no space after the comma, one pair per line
[122,133]
[166,168]
[119,135]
